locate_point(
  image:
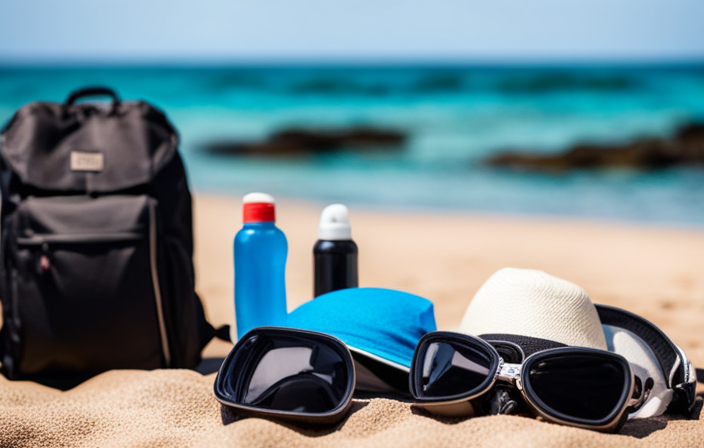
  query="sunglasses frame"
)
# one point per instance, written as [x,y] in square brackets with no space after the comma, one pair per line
[232,376]
[467,403]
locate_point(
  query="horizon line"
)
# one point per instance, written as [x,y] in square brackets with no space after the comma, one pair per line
[284,62]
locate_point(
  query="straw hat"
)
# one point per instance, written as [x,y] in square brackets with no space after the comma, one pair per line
[531,303]
[519,305]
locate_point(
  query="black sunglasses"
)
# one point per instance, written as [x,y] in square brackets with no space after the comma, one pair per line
[288,374]
[454,374]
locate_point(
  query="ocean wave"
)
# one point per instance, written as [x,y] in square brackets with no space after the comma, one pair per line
[566,82]
[339,86]
[443,84]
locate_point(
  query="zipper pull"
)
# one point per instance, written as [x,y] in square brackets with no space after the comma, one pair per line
[44,262]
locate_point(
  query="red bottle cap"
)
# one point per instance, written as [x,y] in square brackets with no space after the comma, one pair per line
[258,207]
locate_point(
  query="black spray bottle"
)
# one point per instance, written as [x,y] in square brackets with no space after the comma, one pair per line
[335,254]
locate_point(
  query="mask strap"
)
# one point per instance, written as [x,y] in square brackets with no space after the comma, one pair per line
[663,348]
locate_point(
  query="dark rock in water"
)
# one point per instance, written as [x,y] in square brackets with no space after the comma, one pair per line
[296,141]
[685,148]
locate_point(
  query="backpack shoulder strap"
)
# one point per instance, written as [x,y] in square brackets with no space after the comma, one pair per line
[223,333]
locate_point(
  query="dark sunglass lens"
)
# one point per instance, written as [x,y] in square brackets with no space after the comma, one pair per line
[450,369]
[583,386]
[295,374]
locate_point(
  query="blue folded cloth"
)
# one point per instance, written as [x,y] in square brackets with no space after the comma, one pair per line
[381,323]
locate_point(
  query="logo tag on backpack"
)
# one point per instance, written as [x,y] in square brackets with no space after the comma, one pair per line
[87,161]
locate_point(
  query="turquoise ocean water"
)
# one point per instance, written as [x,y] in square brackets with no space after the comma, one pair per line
[454,116]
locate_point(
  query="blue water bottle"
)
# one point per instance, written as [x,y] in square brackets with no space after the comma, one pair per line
[260,263]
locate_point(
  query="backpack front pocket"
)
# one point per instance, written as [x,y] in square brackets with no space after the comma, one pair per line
[84,285]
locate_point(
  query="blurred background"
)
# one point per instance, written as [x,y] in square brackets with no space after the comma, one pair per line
[590,109]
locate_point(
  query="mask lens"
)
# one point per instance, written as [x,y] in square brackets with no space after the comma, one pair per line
[588,387]
[291,373]
[451,368]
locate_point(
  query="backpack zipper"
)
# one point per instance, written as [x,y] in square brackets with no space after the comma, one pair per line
[155,282]
[89,238]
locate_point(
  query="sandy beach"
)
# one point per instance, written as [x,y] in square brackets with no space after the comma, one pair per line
[445,257]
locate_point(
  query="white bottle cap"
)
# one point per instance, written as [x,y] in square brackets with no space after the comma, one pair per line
[334,223]
[258,198]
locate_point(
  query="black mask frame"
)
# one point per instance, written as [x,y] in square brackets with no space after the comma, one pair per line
[233,384]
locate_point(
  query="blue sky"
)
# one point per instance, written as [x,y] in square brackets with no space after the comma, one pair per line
[145,31]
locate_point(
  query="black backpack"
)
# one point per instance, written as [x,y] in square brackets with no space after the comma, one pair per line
[96,266]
